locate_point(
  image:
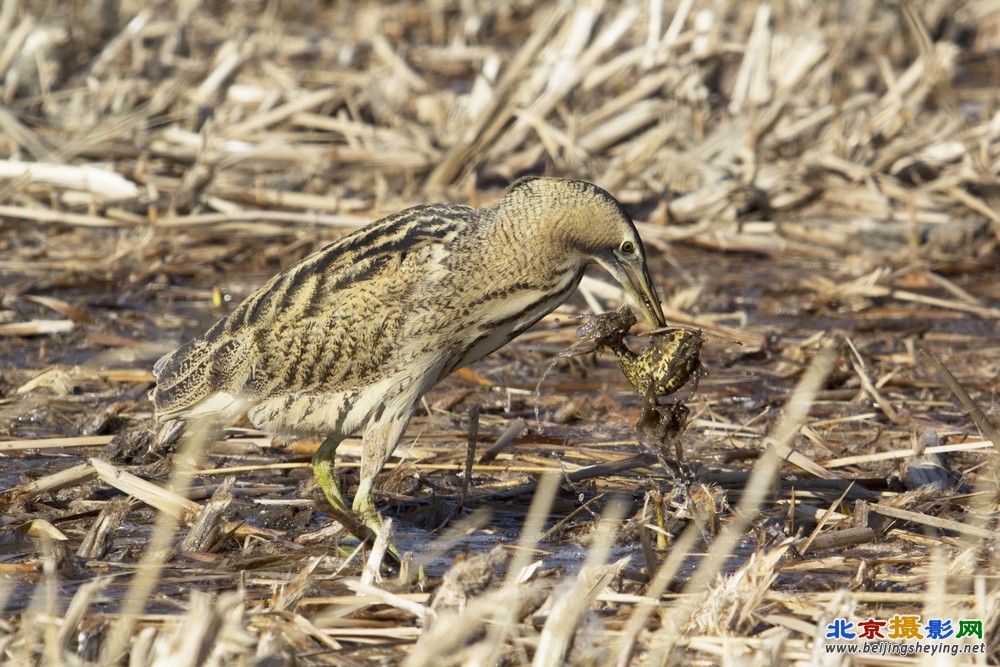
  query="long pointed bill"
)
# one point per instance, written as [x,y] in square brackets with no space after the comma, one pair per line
[639,286]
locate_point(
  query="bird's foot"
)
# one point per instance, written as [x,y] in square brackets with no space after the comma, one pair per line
[361,519]
[323,468]
[364,509]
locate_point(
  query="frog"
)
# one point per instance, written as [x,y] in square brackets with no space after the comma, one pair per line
[670,360]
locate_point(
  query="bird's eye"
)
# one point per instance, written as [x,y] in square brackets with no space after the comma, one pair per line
[627,247]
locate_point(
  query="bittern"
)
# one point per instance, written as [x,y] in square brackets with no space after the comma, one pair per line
[353,335]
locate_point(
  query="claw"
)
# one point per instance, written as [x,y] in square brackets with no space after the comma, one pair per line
[362,520]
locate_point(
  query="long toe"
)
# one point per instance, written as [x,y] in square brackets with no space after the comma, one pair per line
[364,509]
[323,470]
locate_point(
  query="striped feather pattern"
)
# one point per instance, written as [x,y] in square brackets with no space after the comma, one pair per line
[358,331]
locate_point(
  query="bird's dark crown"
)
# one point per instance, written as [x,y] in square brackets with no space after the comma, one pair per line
[577,215]
[539,183]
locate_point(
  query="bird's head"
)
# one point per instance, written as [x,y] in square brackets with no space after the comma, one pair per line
[592,227]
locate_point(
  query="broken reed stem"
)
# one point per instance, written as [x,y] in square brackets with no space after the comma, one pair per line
[979,417]
[196,441]
[504,618]
[505,440]
[45,604]
[594,576]
[470,453]
[751,501]
[858,362]
[669,569]
[804,548]
[936,522]
[497,611]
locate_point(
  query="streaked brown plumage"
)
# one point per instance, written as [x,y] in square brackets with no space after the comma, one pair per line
[352,336]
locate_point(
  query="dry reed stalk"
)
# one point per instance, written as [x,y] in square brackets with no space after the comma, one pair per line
[197,439]
[750,502]
[568,608]
[55,443]
[803,548]
[499,609]
[64,478]
[886,456]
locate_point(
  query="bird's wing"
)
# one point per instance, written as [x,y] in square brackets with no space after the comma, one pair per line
[323,323]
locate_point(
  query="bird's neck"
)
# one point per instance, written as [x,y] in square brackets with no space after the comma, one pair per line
[537,245]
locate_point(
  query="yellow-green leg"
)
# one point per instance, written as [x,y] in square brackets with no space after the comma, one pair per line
[323,470]
[380,439]
[364,506]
